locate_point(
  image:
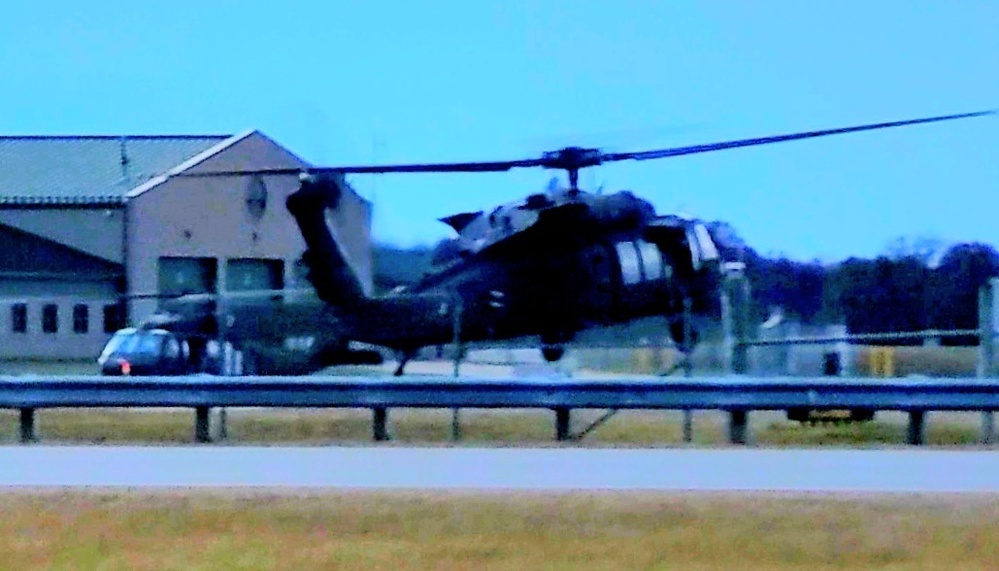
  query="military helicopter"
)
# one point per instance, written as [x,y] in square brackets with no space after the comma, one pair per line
[542,269]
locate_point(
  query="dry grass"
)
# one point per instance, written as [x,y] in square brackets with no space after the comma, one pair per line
[478,427]
[407,530]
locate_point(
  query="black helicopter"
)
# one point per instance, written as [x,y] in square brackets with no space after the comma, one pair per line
[544,268]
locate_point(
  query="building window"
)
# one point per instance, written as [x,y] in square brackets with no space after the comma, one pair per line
[19,318]
[114,317]
[247,274]
[81,318]
[179,276]
[50,318]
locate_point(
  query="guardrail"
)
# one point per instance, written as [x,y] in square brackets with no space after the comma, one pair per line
[736,395]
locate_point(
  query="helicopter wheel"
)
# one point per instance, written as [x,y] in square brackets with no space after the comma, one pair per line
[552,353]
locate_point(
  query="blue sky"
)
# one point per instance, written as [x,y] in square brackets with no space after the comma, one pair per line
[347,82]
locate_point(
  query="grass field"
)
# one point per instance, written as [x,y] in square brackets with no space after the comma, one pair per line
[478,427]
[500,531]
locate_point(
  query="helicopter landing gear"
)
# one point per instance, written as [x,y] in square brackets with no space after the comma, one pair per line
[553,344]
[404,358]
[684,336]
[552,353]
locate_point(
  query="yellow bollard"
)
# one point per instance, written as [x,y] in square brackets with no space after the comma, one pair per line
[644,360]
[882,361]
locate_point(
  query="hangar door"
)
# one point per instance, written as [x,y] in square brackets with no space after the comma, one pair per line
[187,275]
[244,274]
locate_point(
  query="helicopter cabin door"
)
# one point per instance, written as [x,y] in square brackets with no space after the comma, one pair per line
[599,300]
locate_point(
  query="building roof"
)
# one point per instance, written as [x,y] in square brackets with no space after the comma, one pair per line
[89,169]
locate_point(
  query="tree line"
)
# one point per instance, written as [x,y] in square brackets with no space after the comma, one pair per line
[914,285]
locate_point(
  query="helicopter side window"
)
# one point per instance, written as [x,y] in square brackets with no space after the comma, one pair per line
[171,348]
[652,260]
[631,271]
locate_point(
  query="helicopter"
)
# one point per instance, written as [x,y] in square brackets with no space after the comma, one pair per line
[544,268]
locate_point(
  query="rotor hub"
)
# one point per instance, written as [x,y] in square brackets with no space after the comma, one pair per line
[571,160]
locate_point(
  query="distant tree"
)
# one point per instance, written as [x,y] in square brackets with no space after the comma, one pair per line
[926,249]
[881,295]
[954,287]
[908,286]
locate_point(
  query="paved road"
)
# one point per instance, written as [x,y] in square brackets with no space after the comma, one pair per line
[472,468]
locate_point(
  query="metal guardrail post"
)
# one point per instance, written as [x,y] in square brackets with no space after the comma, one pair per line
[917,427]
[223,433]
[562,419]
[202,424]
[456,425]
[988,427]
[28,434]
[738,427]
[379,424]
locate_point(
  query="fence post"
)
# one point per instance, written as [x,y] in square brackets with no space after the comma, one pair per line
[739,311]
[728,338]
[986,296]
[459,354]
[688,365]
[986,299]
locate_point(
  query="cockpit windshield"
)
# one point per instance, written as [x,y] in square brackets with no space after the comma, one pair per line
[135,342]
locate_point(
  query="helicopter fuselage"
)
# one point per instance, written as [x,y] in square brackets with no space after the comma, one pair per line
[551,293]
[548,267]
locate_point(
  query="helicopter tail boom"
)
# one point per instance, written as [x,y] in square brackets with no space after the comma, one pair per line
[329,268]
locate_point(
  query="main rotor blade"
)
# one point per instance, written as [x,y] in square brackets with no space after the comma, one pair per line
[249,171]
[575,158]
[709,147]
[494,166]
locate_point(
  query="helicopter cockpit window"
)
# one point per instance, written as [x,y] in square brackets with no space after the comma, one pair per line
[702,247]
[537,201]
[116,341]
[141,343]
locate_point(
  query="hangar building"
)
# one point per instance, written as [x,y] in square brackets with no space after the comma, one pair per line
[85,219]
